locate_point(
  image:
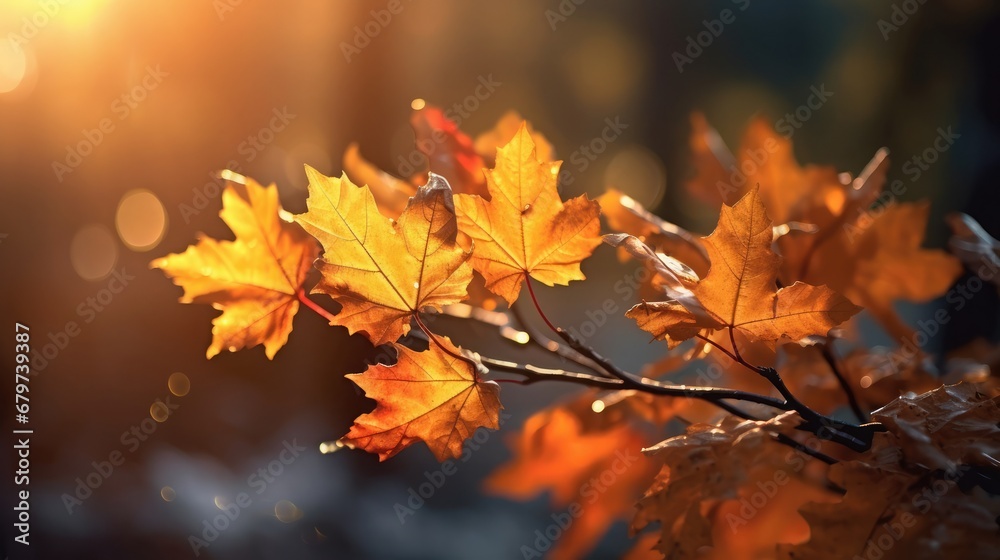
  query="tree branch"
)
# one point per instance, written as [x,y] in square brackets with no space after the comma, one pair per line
[852,399]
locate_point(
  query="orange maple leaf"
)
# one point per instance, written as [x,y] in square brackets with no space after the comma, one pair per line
[593,473]
[432,396]
[525,228]
[255,279]
[382,272]
[740,292]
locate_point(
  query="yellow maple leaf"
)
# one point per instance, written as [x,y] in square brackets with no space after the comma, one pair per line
[255,280]
[525,228]
[381,271]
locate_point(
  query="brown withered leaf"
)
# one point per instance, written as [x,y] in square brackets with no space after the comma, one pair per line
[255,279]
[525,228]
[979,250]
[702,469]
[382,272]
[430,396]
[926,488]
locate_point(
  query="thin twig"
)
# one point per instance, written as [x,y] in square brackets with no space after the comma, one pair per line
[713,395]
[551,345]
[786,440]
[852,399]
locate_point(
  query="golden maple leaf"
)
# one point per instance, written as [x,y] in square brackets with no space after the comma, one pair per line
[525,228]
[739,291]
[255,279]
[431,396]
[382,272]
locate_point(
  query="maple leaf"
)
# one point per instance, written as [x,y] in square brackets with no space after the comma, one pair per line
[590,468]
[739,290]
[704,468]
[503,131]
[765,158]
[926,489]
[255,279]
[391,193]
[877,259]
[525,228]
[382,272]
[432,396]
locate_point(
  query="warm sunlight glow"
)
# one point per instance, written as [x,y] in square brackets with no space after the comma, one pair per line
[93,252]
[13,66]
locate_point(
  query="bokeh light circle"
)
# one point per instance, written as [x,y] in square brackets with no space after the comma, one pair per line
[141,220]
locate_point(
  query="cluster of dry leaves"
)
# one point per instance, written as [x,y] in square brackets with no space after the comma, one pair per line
[768,300]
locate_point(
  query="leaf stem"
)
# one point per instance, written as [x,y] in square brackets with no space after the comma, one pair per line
[301,294]
[433,338]
[531,291]
[720,347]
